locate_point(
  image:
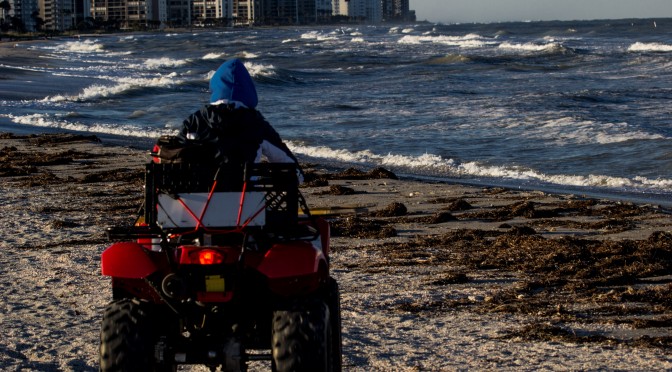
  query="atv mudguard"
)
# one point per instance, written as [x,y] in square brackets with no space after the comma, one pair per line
[127,260]
[293,268]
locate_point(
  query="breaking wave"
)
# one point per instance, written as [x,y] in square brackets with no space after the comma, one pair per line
[650,47]
[122,85]
[164,62]
[531,47]
[436,166]
[59,122]
[86,46]
[467,41]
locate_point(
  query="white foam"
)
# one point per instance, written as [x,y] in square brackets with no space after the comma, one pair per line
[122,85]
[86,46]
[164,62]
[48,121]
[650,47]
[436,165]
[357,40]
[213,56]
[467,41]
[259,69]
[530,47]
[315,35]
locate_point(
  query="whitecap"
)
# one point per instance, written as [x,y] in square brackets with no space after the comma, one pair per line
[164,62]
[122,85]
[259,69]
[213,56]
[315,35]
[530,47]
[49,121]
[650,47]
[86,46]
[466,41]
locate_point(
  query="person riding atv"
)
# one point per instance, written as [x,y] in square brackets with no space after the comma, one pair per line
[225,261]
[231,125]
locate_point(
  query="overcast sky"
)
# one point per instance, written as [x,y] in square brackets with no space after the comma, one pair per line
[449,11]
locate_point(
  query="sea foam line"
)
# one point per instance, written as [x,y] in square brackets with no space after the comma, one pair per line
[56,122]
[434,165]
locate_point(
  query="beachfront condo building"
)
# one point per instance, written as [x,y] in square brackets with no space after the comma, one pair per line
[60,15]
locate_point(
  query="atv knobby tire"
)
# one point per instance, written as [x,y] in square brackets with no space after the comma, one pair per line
[301,337]
[335,337]
[127,338]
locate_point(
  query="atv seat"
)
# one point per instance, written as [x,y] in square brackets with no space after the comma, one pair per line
[189,195]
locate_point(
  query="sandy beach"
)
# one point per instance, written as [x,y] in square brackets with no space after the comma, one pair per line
[434,276]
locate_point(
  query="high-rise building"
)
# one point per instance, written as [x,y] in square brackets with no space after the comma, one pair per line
[283,12]
[211,12]
[61,15]
[397,10]
[360,10]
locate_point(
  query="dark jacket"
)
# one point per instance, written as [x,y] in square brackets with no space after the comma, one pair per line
[232,125]
[239,134]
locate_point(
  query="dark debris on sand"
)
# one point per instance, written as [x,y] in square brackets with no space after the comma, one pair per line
[561,280]
[313,178]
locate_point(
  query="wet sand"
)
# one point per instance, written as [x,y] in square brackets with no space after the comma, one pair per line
[434,276]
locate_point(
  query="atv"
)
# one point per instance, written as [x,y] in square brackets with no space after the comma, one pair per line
[224,265]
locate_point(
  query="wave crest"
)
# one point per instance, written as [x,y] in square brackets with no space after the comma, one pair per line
[467,41]
[123,85]
[48,121]
[650,47]
[532,47]
[435,165]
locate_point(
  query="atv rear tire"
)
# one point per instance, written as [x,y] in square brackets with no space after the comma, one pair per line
[127,338]
[335,337]
[301,337]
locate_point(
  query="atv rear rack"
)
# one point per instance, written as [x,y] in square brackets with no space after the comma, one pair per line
[189,198]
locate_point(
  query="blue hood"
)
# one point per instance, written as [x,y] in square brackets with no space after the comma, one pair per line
[232,82]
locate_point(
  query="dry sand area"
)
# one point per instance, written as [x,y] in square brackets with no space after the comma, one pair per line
[434,276]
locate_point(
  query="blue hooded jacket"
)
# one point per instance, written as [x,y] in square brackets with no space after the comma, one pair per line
[232,82]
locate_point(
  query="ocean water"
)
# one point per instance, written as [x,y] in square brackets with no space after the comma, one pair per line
[580,107]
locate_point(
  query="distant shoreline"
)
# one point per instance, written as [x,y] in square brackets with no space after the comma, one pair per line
[28,37]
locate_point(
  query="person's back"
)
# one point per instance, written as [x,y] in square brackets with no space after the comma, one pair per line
[231,123]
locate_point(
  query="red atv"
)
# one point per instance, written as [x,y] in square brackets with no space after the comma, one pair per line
[225,265]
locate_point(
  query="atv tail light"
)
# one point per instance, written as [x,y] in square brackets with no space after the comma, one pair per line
[209,257]
[196,255]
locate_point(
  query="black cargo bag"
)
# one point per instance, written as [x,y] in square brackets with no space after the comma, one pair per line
[171,150]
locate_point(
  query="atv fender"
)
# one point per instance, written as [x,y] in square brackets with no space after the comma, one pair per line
[290,260]
[295,268]
[127,260]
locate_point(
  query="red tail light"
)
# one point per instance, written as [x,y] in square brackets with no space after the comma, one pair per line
[208,257]
[194,255]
